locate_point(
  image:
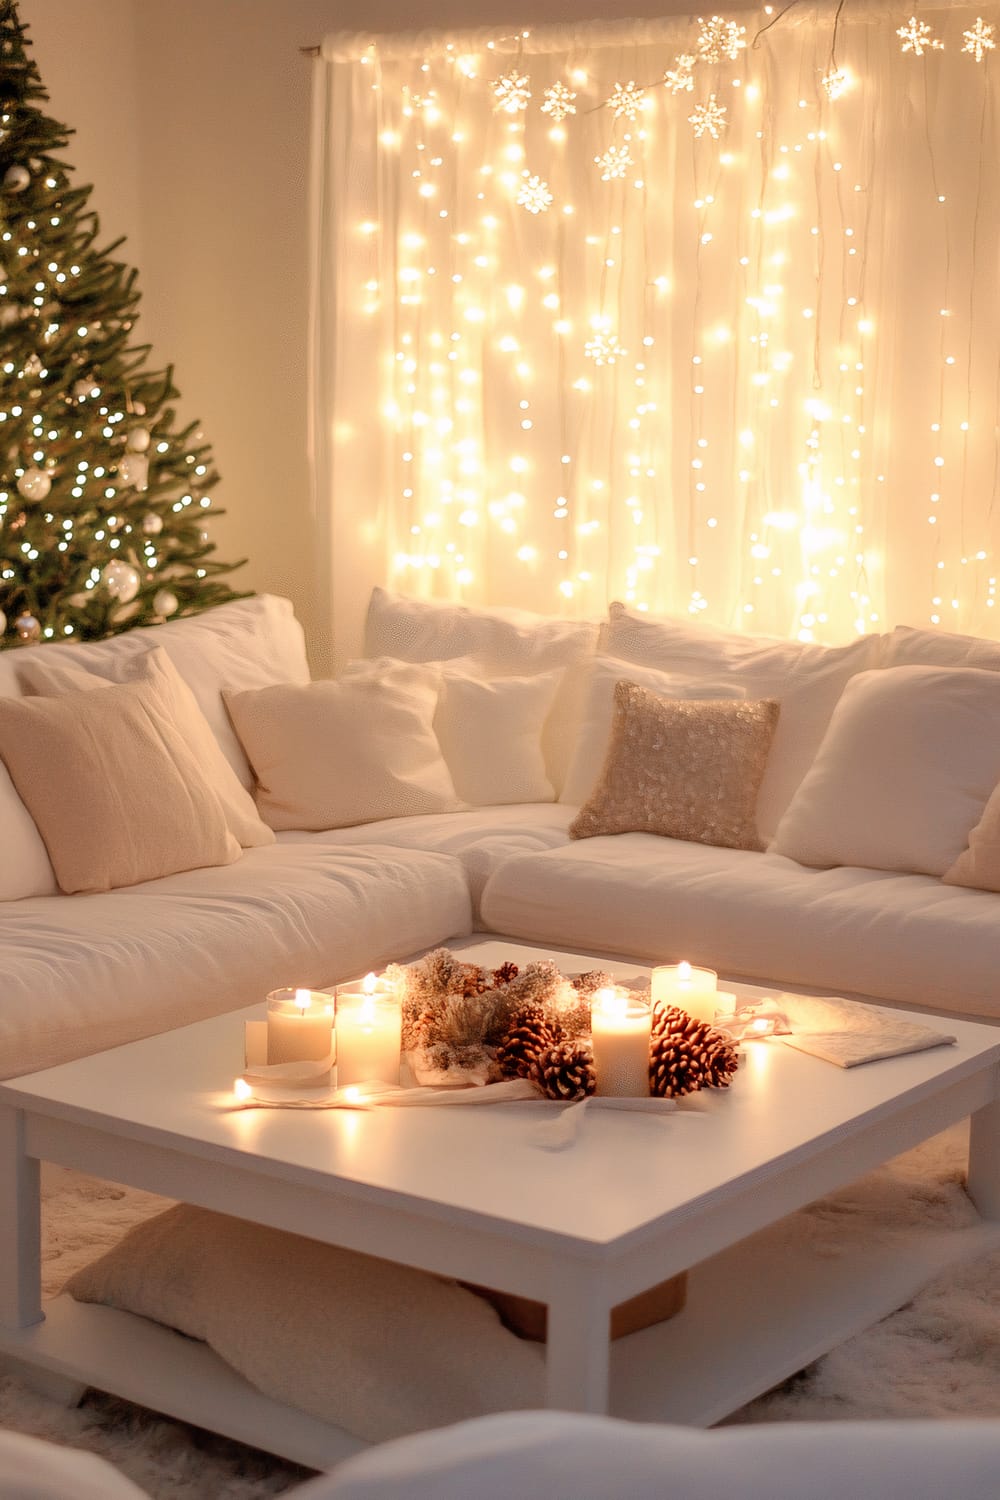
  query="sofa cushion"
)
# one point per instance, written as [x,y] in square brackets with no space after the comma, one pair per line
[378,1348]
[113,788]
[806,679]
[903,774]
[686,770]
[490,733]
[592,731]
[560,1454]
[331,754]
[481,838]
[904,938]
[511,640]
[50,676]
[146,958]
[909,646]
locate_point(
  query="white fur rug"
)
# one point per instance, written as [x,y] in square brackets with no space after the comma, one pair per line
[938,1357]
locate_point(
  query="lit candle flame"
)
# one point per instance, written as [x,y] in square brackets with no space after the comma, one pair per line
[302,999]
[683,971]
[369,984]
[352,1093]
[366,1014]
[612,1002]
[242,1089]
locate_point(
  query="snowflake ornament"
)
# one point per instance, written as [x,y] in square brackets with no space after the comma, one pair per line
[835,83]
[708,119]
[534,195]
[559,102]
[511,92]
[917,37]
[614,163]
[979,39]
[604,348]
[679,79]
[626,99]
[718,39]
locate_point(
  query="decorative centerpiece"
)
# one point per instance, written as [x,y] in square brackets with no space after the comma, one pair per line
[572,1036]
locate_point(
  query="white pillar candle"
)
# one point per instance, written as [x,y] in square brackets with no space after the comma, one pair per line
[299,1026]
[690,988]
[619,1029]
[369,1032]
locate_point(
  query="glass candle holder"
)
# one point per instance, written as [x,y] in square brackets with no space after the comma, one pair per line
[620,1022]
[684,985]
[369,1032]
[299,1026]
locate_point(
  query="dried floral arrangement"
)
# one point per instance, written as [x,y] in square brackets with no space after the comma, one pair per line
[461,1021]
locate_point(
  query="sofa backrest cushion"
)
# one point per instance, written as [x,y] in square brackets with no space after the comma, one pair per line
[334,754]
[910,646]
[512,640]
[908,763]
[490,733]
[114,790]
[46,677]
[805,678]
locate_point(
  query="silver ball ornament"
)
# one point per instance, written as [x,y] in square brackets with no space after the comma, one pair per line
[34,484]
[16,178]
[165,603]
[138,439]
[152,524]
[121,581]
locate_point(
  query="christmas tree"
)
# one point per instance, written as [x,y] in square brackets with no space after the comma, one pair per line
[103,499]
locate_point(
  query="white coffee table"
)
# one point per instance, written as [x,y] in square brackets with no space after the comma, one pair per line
[634,1199]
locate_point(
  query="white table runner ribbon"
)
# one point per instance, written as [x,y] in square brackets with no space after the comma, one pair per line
[844,1032]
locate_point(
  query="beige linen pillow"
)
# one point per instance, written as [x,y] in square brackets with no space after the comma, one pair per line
[50,679]
[490,733]
[684,769]
[380,1349]
[978,866]
[115,792]
[334,754]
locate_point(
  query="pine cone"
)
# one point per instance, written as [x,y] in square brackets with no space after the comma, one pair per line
[475,981]
[565,1071]
[686,1055]
[505,974]
[530,1033]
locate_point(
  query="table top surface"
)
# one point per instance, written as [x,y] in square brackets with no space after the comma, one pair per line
[504,1166]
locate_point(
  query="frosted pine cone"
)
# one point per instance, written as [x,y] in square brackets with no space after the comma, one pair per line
[686,1055]
[505,974]
[531,1033]
[565,1071]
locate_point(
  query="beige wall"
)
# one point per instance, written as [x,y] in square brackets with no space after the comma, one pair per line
[192,122]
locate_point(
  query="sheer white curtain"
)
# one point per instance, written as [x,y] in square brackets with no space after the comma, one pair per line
[752,374]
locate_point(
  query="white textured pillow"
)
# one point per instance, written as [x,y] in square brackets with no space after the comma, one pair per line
[334,754]
[903,775]
[512,640]
[47,676]
[490,733]
[909,646]
[806,679]
[377,1348]
[593,733]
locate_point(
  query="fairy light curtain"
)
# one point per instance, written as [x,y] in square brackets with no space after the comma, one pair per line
[699,315]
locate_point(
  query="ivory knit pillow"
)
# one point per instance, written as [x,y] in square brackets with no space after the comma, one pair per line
[50,678]
[114,791]
[683,769]
[333,754]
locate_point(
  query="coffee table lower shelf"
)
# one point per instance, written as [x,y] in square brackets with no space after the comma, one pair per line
[755,1314]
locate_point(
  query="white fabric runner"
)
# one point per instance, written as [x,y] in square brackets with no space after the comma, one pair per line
[847,1033]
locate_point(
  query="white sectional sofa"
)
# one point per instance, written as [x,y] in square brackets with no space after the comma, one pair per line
[85,972]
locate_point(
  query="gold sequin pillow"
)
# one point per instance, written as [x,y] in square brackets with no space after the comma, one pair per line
[682,768]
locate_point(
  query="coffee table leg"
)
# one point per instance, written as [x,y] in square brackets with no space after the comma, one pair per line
[984,1160]
[578,1352]
[20,1227]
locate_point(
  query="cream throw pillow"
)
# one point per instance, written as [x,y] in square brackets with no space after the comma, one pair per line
[50,679]
[908,763]
[377,1348]
[683,769]
[333,754]
[490,733]
[978,866]
[114,790]
[593,732]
